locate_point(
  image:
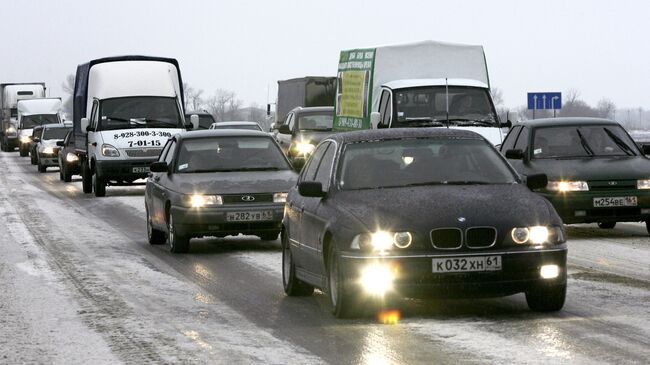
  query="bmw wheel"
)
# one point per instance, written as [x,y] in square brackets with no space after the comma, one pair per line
[293,286]
[343,299]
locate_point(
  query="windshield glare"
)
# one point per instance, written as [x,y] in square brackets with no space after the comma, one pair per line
[315,122]
[139,112]
[466,104]
[597,140]
[230,154]
[55,133]
[31,121]
[396,163]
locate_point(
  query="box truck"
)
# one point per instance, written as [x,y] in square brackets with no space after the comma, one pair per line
[33,113]
[10,94]
[310,91]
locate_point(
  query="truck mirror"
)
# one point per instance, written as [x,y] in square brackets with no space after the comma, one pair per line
[512,118]
[194,119]
[60,143]
[515,154]
[84,124]
[284,129]
[536,181]
[374,120]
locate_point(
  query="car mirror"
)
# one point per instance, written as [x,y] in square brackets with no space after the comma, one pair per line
[194,119]
[536,181]
[311,189]
[507,124]
[646,149]
[159,166]
[85,125]
[374,120]
[60,143]
[284,129]
[515,154]
[36,139]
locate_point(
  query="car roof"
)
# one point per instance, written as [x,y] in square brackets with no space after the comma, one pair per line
[573,121]
[221,133]
[397,133]
[56,125]
[236,123]
[302,109]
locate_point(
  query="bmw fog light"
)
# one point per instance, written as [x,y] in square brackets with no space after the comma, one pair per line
[549,271]
[377,279]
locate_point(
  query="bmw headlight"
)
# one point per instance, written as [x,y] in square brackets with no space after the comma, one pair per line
[110,151]
[381,240]
[643,184]
[280,197]
[199,200]
[566,186]
[304,148]
[537,235]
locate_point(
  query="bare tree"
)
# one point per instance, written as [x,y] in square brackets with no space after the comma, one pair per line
[68,87]
[223,105]
[606,108]
[193,99]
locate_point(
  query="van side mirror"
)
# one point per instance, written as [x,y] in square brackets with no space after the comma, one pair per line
[507,124]
[60,143]
[194,120]
[536,181]
[512,118]
[311,189]
[515,154]
[374,120]
[159,166]
[85,125]
[284,129]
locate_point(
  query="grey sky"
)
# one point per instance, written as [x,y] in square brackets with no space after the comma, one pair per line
[600,48]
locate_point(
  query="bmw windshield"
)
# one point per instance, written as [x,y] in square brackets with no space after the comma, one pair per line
[414,162]
[139,112]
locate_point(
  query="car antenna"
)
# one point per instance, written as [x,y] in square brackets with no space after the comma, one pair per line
[447,99]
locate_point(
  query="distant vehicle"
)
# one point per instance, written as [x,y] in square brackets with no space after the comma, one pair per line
[597,174]
[125,109]
[253,126]
[424,84]
[419,213]
[10,94]
[309,91]
[47,150]
[68,159]
[32,113]
[205,119]
[217,183]
[304,129]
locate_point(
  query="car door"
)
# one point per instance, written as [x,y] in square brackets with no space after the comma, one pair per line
[160,182]
[296,208]
[313,217]
[92,138]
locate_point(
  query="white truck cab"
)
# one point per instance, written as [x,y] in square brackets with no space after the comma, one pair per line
[132,105]
[33,113]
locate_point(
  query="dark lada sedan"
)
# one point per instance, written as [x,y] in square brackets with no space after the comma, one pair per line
[419,213]
[596,172]
[217,183]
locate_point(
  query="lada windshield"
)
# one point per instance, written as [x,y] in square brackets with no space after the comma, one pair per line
[315,122]
[225,154]
[424,106]
[31,121]
[414,162]
[139,112]
[55,133]
[251,127]
[582,141]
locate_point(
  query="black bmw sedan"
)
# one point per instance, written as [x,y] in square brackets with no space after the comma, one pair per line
[419,213]
[217,183]
[596,173]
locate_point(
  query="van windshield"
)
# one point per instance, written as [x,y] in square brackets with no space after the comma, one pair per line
[139,112]
[31,121]
[423,106]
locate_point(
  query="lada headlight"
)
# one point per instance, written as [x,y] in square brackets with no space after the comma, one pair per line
[537,235]
[304,148]
[566,186]
[381,241]
[110,151]
[280,197]
[71,157]
[643,184]
[199,200]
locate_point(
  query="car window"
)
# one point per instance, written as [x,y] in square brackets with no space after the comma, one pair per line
[170,153]
[522,140]
[325,167]
[290,120]
[386,109]
[509,142]
[309,172]
[163,153]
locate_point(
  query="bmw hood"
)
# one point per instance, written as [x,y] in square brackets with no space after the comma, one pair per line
[611,168]
[426,207]
[247,182]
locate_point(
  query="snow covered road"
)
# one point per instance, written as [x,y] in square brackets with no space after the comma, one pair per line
[80,284]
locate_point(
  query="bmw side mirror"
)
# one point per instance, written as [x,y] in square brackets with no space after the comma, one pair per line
[311,189]
[159,166]
[284,129]
[515,154]
[646,149]
[536,181]
[60,143]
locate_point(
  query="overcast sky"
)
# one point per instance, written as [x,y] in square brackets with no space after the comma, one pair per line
[600,48]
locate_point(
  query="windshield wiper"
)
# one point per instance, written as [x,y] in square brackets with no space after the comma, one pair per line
[628,151]
[424,122]
[584,143]
[163,122]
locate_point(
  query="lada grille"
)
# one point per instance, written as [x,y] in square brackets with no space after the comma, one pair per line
[143,152]
[609,185]
[480,237]
[247,198]
[447,238]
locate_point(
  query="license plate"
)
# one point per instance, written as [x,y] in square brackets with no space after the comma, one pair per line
[265,215]
[467,264]
[619,201]
[137,170]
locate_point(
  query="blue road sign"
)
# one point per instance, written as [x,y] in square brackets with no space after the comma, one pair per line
[540,101]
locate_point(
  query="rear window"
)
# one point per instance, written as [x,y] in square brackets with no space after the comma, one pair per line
[55,133]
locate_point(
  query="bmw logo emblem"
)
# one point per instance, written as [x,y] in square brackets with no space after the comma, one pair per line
[461,219]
